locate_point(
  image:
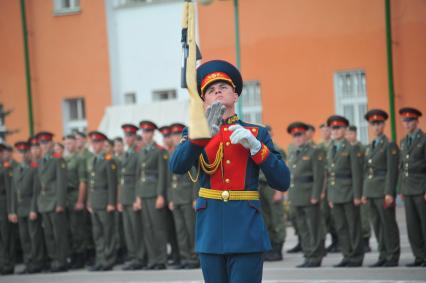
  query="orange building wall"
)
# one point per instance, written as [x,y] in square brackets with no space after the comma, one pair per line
[294,47]
[69,58]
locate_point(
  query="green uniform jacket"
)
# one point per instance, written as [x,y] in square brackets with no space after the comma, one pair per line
[24,189]
[307,174]
[128,179]
[381,168]
[413,165]
[102,182]
[52,172]
[152,172]
[344,173]
[180,188]
[6,172]
[76,173]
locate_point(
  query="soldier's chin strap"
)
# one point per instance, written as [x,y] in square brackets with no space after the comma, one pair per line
[197,125]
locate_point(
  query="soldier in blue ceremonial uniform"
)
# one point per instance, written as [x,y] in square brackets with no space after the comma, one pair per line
[231,236]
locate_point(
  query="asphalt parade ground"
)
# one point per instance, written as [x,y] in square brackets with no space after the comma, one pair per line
[276,272]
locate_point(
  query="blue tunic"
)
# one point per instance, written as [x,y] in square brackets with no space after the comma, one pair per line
[234,226]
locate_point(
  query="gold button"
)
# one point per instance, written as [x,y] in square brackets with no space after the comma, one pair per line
[123,170]
[174,186]
[332,165]
[93,174]
[333,174]
[227,143]
[406,174]
[225,196]
[143,179]
[370,176]
[228,161]
[369,160]
[406,165]
[225,129]
[292,186]
[333,183]
[143,164]
[407,156]
[174,178]
[294,166]
[253,130]
[227,181]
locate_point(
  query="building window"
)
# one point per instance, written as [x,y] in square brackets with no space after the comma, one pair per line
[65,7]
[251,102]
[161,95]
[351,99]
[74,115]
[130,98]
[126,3]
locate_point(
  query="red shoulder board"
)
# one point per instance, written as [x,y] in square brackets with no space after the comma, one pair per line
[34,164]
[56,155]
[108,156]
[253,130]
[6,164]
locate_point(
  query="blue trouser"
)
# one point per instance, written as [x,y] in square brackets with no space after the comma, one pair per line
[232,268]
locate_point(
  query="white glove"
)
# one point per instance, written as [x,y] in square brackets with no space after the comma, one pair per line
[244,137]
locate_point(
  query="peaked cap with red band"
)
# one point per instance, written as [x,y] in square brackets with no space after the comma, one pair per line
[409,113]
[177,128]
[376,115]
[33,141]
[129,128]
[22,146]
[147,125]
[297,127]
[44,136]
[337,120]
[215,71]
[97,136]
[165,130]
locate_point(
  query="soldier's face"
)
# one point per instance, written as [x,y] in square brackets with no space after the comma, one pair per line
[176,138]
[118,147]
[338,133]
[70,145]
[147,136]
[410,126]
[130,139]
[350,136]
[168,141]
[377,128]
[299,139]
[58,149]
[325,133]
[221,92]
[80,141]
[45,146]
[35,152]
[97,146]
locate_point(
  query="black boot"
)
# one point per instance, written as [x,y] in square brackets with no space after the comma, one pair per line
[367,247]
[295,249]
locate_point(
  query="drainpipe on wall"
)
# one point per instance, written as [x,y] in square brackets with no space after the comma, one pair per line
[238,50]
[27,69]
[390,69]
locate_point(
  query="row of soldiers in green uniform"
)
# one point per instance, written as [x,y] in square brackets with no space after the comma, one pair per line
[339,187]
[92,203]
[66,207]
